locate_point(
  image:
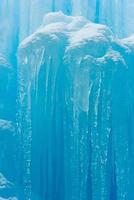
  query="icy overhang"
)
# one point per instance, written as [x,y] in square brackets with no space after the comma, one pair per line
[75,35]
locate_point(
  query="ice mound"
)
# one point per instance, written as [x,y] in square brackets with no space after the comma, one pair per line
[76,99]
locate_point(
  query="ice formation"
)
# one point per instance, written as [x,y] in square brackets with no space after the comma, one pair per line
[66,104]
[5,187]
[8,137]
[20,18]
[76,111]
[7,89]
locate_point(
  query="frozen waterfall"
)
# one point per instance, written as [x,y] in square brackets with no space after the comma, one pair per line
[66,100]
[76,111]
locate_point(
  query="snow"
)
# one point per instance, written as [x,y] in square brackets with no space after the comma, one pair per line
[56,17]
[77,30]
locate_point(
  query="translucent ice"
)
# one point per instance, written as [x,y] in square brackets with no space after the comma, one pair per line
[76,97]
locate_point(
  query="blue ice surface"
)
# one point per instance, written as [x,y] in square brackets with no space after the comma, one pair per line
[76,96]
[66,100]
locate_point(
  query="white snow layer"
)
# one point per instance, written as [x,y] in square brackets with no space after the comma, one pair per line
[75,32]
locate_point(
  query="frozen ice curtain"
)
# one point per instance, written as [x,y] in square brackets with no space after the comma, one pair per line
[66,100]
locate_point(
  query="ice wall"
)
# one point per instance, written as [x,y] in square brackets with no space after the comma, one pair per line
[9,28]
[7,89]
[9,163]
[76,114]
[8,167]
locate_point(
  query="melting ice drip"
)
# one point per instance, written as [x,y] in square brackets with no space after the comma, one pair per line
[76,116]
